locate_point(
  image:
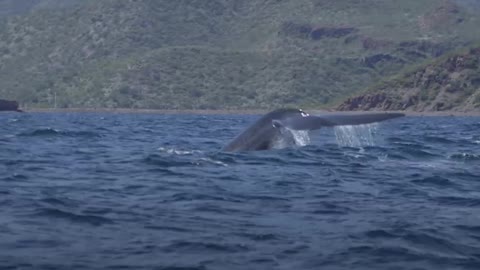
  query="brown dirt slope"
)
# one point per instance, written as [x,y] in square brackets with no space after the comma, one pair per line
[450,83]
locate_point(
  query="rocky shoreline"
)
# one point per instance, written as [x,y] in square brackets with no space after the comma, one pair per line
[246,111]
[9,105]
[449,84]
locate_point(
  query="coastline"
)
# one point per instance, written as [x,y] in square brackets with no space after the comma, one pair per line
[235,111]
[145,111]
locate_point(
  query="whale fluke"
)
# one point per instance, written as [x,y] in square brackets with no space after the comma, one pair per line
[263,134]
[312,122]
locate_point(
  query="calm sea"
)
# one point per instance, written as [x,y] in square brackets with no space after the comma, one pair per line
[152,191]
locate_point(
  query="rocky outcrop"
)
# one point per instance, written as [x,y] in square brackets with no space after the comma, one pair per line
[318,33]
[369,43]
[446,14]
[313,32]
[363,103]
[451,83]
[8,105]
[423,48]
[373,60]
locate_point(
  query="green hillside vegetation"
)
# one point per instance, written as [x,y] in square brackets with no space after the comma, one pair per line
[448,83]
[218,54]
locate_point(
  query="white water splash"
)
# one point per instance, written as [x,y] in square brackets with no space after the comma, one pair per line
[177,152]
[356,136]
[301,137]
[291,137]
[215,162]
[189,154]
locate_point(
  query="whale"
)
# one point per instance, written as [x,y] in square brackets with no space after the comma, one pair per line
[268,129]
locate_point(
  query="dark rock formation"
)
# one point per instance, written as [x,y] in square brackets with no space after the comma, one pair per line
[423,48]
[369,43]
[331,32]
[451,83]
[373,60]
[8,105]
[447,13]
[364,103]
[308,31]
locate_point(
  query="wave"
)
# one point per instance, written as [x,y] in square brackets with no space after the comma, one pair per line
[260,237]
[435,180]
[417,152]
[51,132]
[77,218]
[173,157]
[441,140]
[469,228]
[168,228]
[458,201]
[191,246]
[410,256]
[15,178]
[465,157]
[328,208]
[178,152]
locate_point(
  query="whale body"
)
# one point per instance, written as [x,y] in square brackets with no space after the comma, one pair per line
[266,131]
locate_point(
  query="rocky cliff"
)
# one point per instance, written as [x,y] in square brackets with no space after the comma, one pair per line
[450,83]
[8,105]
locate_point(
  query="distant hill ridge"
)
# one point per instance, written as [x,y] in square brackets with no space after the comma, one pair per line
[218,54]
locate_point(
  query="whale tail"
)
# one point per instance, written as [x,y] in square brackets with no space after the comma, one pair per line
[312,122]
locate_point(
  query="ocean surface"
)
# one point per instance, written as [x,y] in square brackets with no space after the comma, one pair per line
[153,191]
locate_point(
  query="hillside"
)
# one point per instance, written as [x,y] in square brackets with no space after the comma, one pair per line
[15,7]
[21,7]
[218,54]
[450,83]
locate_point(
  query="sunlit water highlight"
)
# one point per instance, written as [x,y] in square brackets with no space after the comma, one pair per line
[356,136]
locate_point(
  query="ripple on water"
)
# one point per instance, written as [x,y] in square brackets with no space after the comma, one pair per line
[329,208]
[73,217]
[260,237]
[15,178]
[417,152]
[53,201]
[51,132]
[169,157]
[204,247]
[169,161]
[435,181]
[169,229]
[465,157]
[458,201]
[156,267]
[438,139]
[470,228]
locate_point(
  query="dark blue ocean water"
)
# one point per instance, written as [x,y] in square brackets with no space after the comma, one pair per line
[152,191]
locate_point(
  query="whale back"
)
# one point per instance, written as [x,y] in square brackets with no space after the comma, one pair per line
[262,134]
